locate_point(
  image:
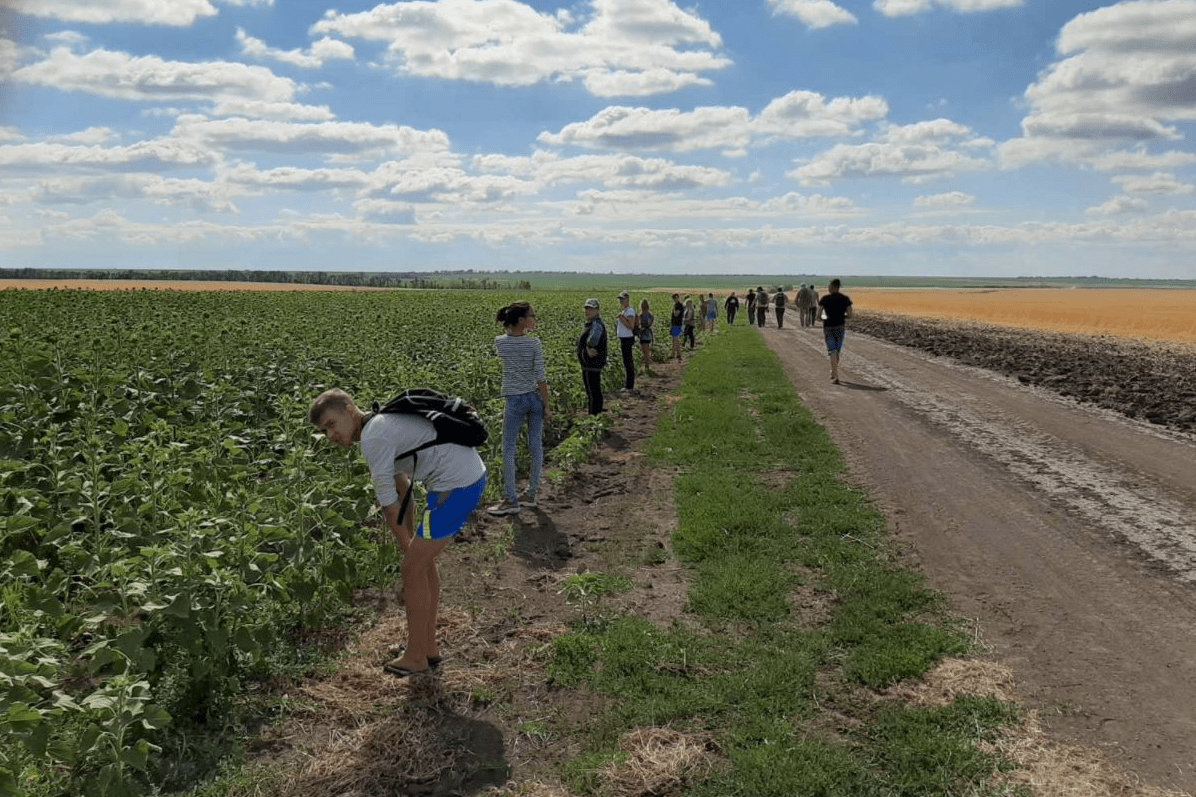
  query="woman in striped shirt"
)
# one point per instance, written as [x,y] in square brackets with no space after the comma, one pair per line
[525,388]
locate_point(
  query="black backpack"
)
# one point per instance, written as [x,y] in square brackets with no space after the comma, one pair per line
[454,420]
[452,417]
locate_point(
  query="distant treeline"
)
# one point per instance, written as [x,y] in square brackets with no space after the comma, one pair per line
[359,279]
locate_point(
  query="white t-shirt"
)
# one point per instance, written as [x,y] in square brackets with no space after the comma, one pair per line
[439,468]
[626,325]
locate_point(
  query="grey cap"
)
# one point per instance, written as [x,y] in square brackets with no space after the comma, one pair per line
[592,303]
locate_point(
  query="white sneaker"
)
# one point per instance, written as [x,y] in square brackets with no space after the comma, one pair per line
[528,500]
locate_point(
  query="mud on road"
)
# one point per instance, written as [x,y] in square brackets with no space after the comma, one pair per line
[1053,498]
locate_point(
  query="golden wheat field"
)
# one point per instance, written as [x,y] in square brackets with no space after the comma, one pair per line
[1151,314]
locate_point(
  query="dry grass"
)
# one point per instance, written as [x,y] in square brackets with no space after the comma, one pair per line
[1152,314]
[1048,767]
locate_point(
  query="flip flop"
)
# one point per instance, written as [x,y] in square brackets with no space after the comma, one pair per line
[399,671]
[433,661]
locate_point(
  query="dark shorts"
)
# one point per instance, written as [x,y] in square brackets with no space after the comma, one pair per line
[834,339]
[448,511]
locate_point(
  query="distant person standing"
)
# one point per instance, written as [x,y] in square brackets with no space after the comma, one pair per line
[731,305]
[645,335]
[779,301]
[814,309]
[591,353]
[804,306]
[676,324]
[525,392]
[751,306]
[711,312]
[761,306]
[688,320]
[625,330]
[837,307]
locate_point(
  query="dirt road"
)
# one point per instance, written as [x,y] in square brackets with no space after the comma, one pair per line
[1067,532]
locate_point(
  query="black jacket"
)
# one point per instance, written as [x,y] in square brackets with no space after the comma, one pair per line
[599,360]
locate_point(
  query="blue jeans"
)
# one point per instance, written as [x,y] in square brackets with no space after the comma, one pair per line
[529,407]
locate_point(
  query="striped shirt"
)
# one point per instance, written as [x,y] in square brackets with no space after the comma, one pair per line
[522,363]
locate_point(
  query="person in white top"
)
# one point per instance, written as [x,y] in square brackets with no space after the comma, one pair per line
[627,323]
[525,389]
[455,478]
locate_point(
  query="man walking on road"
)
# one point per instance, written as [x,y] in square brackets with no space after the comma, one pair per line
[837,307]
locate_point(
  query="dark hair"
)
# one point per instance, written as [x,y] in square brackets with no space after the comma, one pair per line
[513,313]
[835,283]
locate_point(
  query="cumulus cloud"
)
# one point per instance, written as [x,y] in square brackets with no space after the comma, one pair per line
[151,156]
[1158,183]
[1127,73]
[338,141]
[730,129]
[1119,206]
[547,170]
[122,76]
[916,153]
[951,200]
[814,13]
[901,8]
[202,195]
[621,47]
[320,52]
[146,12]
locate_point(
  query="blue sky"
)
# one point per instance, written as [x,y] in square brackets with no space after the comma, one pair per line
[919,137]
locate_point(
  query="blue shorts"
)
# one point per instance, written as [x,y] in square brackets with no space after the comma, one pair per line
[675,332]
[711,316]
[834,339]
[448,511]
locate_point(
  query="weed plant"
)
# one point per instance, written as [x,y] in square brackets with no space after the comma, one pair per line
[793,700]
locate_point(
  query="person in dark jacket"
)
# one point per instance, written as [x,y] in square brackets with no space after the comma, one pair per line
[731,305]
[591,354]
[761,306]
[780,300]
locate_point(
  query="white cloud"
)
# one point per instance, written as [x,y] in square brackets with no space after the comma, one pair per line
[814,13]
[949,201]
[146,12]
[118,75]
[900,8]
[155,155]
[730,129]
[805,113]
[1119,206]
[320,52]
[547,170]
[630,47]
[1157,183]
[202,195]
[1128,73]
[10,56]
[619,127]
[916,153]
[338,141]
[1139,159]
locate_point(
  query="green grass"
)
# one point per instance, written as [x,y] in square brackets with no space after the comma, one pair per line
[763,514]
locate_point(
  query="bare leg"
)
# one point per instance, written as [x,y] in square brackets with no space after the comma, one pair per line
[422,584]
[835,367]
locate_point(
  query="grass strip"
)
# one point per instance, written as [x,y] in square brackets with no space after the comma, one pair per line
[799,612]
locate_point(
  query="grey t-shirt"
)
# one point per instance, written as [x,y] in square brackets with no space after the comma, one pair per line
[439,468]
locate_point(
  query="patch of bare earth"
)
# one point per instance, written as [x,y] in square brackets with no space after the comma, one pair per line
[489,718]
